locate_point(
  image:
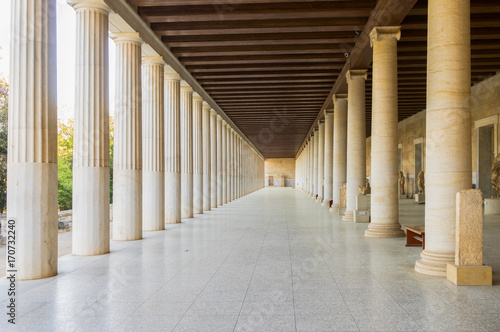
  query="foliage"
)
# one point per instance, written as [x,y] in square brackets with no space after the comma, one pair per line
[4,98]
[65,163]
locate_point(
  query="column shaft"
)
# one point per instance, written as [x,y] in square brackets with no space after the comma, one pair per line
[127,154]
[91,187]
[153,124]
[186,151]
[197,154]
[219,161]
[32,143]
[328,171]
[356,139]
[339,148]
[321,159]
[315,162]
[172,147]
[448,139]
[224,162]
[384,151]
[213,158]
[207,162]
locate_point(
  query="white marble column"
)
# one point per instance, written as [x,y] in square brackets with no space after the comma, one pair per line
[91,187]
[321,159]
[224,162]
[32,143]
[309,167]
[220,163]
[328,171]
[197,154]
[127,150]
[186,150]
[153,140]
[231,165]
[384,151]
[448,129]
[356,139]
[172,147]
[213,159]
[339,148]
[207,162]
[315,162]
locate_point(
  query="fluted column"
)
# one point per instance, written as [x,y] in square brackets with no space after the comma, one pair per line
[384,151]
[315,162]
[213,159]
[448,138]
[186,150]
[172,147]
[328,172]
[197,154]
[90,224]
[356,139]
[231,164]
[207,163]
[127,153]
[309,167]
[224,162]
[153,140]
[32,144]
[219,161]
[321,159]
[339,148]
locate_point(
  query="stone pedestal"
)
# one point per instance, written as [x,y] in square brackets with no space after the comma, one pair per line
[90,225]
[172,147]
[491,206]
[384,150]
[468,268]
[361,214]
[448,139]
[153,140]
[420,198]
[356,138]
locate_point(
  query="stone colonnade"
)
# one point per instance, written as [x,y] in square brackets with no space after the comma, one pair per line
[167,146]
[448,143]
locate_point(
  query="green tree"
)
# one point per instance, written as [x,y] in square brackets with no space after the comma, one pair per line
[4,101]
[65,163]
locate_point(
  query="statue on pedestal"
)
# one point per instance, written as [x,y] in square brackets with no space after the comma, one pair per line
[421,182]
[495,177]
[343,200]
[401,183]
[365,190]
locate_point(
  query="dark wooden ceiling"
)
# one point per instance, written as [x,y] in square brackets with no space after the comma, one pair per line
[272,65]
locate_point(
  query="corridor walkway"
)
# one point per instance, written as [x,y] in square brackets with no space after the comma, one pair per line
[271,261]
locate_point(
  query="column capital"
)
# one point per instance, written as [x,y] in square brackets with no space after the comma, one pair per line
[126,37]
[171,74]
[206,105]
[356,74]
[316,129]
[98,5]
[339,97]
[186,87]
[322,121]
[213,112]
[153,60]
[379,33]
[224,123]
[219,117]
[329,110]
[197,97]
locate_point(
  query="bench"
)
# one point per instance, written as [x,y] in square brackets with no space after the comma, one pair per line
[415,236]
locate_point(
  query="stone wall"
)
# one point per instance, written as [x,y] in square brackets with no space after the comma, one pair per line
[277,167]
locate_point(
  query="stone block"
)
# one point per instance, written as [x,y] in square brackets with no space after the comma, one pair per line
[361,216]
[469,275]
[361,202]
[469,228]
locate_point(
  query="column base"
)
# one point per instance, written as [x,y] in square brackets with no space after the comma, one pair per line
[334,208]
[348,216]
[326,202]
[384,230]
[469,275]
[319,199]
[433,264]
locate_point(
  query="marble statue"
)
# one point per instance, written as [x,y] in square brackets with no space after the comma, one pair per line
[401,182]
[495,177]
[365,190]
[421,182]
[343,200]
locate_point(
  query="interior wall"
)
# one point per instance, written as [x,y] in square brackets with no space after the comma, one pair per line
[277,167]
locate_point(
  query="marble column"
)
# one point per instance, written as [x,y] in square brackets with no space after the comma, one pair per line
[339,147]
[231,164]
[219,160]
[91,187]
[197,154]
[186,150]
[328,171]
[224,162]
[309,167]
[207,162]
[315,163]
[213,159]
[356,139]
[153,158]
[32,143]
[127,150]
[384,150]
[228,163]
[172,147]
[448,139]
[321,159]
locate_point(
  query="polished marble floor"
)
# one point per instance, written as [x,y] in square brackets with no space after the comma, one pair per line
[271,261]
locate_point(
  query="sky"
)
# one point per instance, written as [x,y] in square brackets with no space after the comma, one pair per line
[66,26]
